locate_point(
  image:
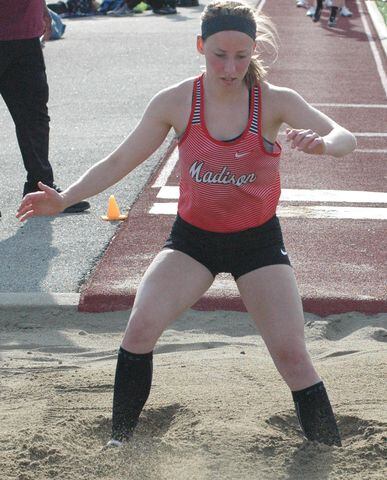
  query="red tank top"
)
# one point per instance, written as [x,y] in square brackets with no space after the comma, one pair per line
[227,186]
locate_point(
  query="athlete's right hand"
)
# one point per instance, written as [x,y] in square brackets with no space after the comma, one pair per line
[306,141]
[47,202]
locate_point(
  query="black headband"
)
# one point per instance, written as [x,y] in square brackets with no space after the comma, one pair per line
[219,23]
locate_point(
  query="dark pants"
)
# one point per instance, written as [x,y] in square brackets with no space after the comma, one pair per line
[24,88]
[155,4]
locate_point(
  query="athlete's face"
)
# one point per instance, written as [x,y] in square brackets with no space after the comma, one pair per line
[228,56]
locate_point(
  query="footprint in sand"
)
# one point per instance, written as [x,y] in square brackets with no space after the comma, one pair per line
[364,435]
[187,347]
[338,328]
[87,388]
[380,335]
[62,349]
[340,353]
[285,423]
[153,423]
[352,427]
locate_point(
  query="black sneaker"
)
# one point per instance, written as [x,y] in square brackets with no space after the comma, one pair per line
[187,3]
[317,14]
[332,22]
[167,10]
[76,208]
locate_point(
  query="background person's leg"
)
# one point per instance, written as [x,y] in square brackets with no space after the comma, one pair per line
[336,5]
[317,13]
[24,88]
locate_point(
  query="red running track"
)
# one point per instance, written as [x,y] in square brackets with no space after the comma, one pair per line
[338,261]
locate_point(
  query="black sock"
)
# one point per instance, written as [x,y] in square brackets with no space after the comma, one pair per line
[320,4]
[333,13]
[315,414]
[131,390]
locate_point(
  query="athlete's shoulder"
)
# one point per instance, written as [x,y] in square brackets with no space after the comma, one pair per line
[173,99]
[281,98]
[276,91]
[174,94]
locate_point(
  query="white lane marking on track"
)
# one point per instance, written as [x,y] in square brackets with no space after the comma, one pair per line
[167,169]
[374,50]
[169,208]
[302,211]
[169,192]
[305,195]
[358,213]
[357,134]
[370,134]
[350,105]
[260,5]
[347,196]
[378,22]
[371,150]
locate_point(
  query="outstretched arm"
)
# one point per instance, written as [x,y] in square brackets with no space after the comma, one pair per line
[148,135]
[311,131]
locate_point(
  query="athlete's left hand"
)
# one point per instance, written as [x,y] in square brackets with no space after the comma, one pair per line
[306,141]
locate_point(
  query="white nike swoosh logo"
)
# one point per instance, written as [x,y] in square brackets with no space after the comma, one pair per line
[240,155]
[283,252]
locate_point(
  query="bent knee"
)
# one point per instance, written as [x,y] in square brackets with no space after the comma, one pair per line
[142,332]
[291,358]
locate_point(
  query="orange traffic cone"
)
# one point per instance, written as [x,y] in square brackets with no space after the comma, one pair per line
[113,212]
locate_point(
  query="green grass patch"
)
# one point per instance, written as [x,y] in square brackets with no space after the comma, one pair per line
[383,9]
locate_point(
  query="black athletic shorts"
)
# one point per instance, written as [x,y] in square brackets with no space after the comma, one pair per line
[236,253]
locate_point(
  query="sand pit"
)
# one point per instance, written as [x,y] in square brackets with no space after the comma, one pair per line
[218,408]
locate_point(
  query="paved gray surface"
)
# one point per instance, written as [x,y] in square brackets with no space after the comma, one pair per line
[101,75]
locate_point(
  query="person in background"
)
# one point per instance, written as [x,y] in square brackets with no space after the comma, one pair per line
[159,7]
[311,8]
[343,9]
[335,7]
[24,88]
[318,10]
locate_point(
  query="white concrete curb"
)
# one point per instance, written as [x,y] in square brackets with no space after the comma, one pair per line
[378,21]
[38,299]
